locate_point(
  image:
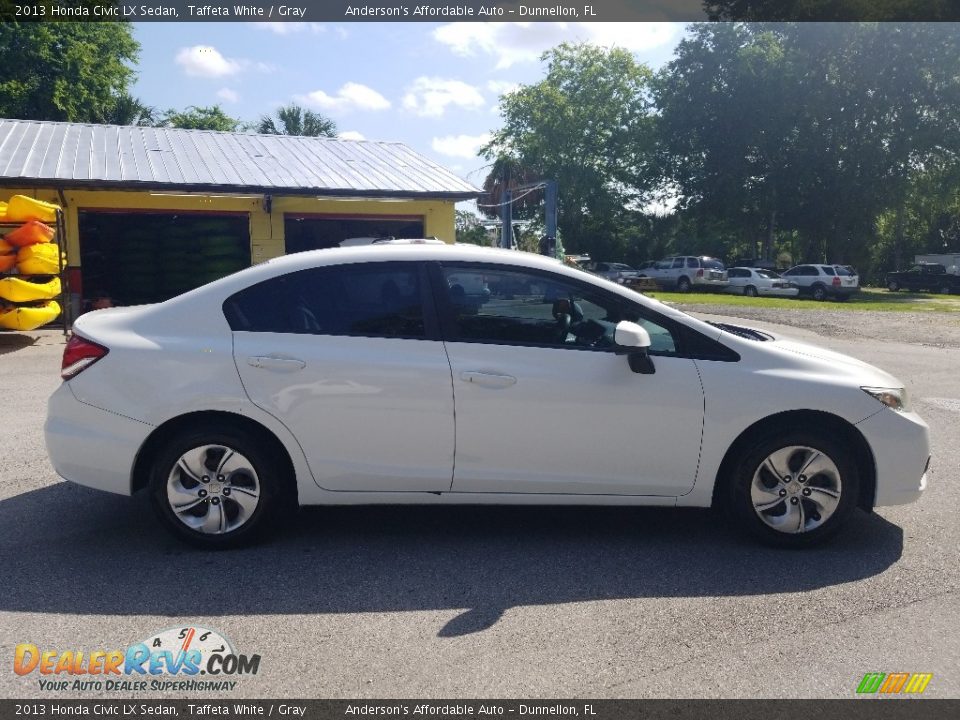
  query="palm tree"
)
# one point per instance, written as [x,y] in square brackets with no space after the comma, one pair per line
[128,110]
[294,120]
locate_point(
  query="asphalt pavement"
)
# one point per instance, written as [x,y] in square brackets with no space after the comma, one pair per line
[492,602]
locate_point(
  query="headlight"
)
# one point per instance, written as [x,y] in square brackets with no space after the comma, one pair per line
[894,398]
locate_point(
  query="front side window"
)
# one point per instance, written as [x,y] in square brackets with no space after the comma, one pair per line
[519,307]
[369,300]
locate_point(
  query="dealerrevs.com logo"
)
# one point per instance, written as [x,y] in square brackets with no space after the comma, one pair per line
[185,659]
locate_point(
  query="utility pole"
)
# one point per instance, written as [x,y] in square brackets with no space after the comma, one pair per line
[506,211]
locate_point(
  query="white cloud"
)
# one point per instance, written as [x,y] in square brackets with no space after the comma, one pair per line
[430,96]
[351,135]
[502,87]
[206,61]
[512,43]
[465,146]
[228,95]
[351,96]
[290,28]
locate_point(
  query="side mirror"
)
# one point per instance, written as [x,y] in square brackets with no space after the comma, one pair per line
[631,336]
[633,341]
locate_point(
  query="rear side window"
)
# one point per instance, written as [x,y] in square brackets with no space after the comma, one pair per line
[367,300]
[678,263]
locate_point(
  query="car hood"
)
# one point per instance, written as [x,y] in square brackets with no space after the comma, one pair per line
[795,354]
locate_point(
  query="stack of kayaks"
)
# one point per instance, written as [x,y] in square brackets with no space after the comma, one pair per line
[27,298]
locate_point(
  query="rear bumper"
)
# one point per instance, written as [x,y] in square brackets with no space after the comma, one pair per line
[901,451]
[90,446]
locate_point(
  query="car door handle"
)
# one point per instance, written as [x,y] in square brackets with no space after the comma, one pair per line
[276,363]
[488,379]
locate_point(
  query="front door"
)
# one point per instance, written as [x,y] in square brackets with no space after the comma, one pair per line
[543,402]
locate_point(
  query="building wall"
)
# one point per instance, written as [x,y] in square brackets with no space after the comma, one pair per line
[266,229]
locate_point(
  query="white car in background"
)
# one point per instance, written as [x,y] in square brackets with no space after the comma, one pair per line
[754,282]
[354,376]
[688,272]
[822,282]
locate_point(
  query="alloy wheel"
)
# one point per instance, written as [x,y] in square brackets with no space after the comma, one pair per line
[796,489]
[213,489]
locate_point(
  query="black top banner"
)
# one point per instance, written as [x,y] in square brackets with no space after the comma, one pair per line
[473,11]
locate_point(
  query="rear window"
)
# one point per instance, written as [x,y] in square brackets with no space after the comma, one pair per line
[768,274]
[711,264]
[842,271]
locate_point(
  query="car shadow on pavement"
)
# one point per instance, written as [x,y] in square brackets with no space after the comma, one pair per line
[67,549]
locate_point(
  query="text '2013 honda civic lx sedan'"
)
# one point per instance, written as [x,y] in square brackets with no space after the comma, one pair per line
[369,375]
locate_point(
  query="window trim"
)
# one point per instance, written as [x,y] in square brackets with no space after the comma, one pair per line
[683,336]
[431,321]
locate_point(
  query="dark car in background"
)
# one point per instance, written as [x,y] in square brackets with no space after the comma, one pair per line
[931,277]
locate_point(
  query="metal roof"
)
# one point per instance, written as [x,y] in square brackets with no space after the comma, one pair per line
[73,155]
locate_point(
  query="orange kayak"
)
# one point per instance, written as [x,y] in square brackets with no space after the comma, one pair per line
[30,233]
[7,262]
[22,208]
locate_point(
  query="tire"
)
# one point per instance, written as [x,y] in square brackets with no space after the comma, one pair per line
[944,290]
[251,494]
[823,501]
[750,291]
[819,293]
[683,285]
[893,286]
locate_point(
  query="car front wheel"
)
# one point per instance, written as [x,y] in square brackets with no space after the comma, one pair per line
[794,490]
[216,489]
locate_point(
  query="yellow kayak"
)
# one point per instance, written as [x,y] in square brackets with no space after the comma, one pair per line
[3,212]
[22,208]
[20,290]
[28,317]
[38,260]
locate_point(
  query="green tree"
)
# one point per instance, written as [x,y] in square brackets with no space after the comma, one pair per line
[294,120]
[588,125]
[201,118]
[469,229]
[64,71]
[128,110]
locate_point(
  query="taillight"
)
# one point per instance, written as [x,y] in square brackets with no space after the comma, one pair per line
[836,282]
[78,355]
[700,272]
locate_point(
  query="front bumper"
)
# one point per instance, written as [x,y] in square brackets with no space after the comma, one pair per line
[900,442]
[90,446]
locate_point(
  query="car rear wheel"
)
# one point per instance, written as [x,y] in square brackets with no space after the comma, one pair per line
[683,284]
[945,290]
[795,489]
[216,488]
[893,286]
[819,293]
[750,291]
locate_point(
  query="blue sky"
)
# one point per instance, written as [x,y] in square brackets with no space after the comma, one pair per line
[432,86]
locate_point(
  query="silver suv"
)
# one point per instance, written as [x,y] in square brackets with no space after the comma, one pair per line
[824,281]
[688,272]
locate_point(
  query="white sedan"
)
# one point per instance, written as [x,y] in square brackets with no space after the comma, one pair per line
[357,376]
[754,282]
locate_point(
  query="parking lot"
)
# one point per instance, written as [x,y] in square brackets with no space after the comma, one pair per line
[488,602]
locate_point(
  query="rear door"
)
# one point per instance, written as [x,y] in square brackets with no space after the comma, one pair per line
[348,358]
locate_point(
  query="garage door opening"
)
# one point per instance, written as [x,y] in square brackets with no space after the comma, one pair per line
[312,232]
[133,258]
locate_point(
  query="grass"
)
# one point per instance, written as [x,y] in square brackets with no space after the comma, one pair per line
[872,299]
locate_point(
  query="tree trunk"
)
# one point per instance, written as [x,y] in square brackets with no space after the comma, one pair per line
[771,230]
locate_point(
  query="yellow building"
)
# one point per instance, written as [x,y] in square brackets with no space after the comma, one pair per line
[151,212]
